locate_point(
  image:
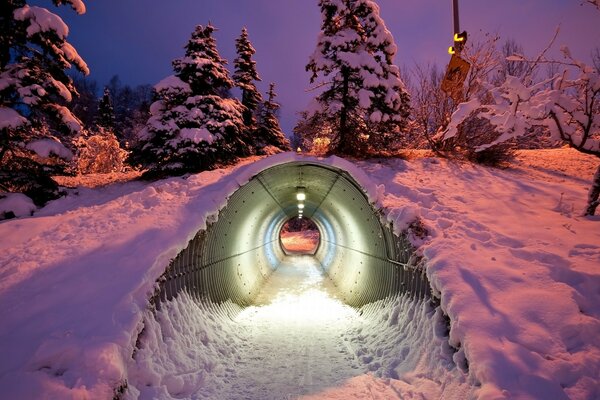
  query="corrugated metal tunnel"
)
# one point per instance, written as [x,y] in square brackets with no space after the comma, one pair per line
[235,255]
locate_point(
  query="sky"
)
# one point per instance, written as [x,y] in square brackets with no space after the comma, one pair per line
[137,40]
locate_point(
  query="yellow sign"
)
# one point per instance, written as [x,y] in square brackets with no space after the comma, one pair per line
[456,74]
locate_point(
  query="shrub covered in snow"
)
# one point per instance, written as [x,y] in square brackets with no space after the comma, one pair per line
[567,104]
[100,153]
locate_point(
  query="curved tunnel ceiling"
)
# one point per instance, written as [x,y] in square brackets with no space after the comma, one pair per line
[234,256]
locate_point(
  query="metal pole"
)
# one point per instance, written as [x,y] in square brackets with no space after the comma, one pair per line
[455,13]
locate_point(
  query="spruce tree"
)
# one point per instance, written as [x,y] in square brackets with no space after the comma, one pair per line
[34,125]
[192,126]
[245,75]
[106,112]
[364,98]
[269,133]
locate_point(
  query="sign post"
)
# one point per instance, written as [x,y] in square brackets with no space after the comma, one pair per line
[458,68]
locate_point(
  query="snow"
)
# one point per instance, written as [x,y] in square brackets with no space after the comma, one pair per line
[17,203]
[46,147]
[196,135]
[77,5]
[319,342]
[9,118]
[172,82]
[67,117]
[514,262]
[41,20]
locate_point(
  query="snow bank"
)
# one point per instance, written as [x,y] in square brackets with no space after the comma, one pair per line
[405,343]
[17,203]
[516,267]
[185,345]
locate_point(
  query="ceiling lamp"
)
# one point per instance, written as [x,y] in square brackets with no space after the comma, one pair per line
[300,193]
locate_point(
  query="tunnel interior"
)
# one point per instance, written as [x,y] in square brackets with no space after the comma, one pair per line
[234,256]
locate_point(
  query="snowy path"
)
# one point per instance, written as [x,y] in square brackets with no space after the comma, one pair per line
[294,345]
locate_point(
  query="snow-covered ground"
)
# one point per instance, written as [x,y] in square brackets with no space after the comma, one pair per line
[516,265]
[298,341]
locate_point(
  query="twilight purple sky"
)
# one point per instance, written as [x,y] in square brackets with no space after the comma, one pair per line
[138,39]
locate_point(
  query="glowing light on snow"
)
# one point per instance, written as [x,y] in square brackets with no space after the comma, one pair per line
[303,304]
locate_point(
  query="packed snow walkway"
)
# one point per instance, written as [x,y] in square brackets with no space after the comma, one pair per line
[294,336]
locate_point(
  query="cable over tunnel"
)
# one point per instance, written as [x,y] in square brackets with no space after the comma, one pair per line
[233,257]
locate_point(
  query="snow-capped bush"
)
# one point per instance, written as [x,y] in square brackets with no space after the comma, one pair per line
[100,153]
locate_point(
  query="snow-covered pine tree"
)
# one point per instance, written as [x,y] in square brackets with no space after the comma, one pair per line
[244,77]
[192,127]
[364,98]
[34,126]
[106,112]
[269,136]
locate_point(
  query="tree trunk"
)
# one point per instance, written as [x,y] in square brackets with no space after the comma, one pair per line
[343,144]
[594,194]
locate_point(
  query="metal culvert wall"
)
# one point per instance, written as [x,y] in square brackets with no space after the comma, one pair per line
[234,256]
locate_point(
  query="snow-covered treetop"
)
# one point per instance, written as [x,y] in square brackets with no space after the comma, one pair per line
[32,76]
[202,67]
[172,82]
[245,66]
[245,75]
[355,45]
[270,104]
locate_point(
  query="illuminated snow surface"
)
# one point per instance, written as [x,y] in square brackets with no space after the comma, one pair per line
[515,263]
[298,341]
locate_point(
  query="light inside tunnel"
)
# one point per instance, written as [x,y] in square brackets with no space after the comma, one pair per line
[300,195]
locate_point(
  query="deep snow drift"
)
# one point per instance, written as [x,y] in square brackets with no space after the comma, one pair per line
[515,265]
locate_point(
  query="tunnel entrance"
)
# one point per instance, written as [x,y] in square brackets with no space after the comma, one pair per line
[281,325]
[358,250]
[300,235]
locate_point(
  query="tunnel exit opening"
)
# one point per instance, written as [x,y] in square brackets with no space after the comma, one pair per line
[299,236]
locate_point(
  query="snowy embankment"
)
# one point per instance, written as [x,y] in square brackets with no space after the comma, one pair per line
[516,266]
